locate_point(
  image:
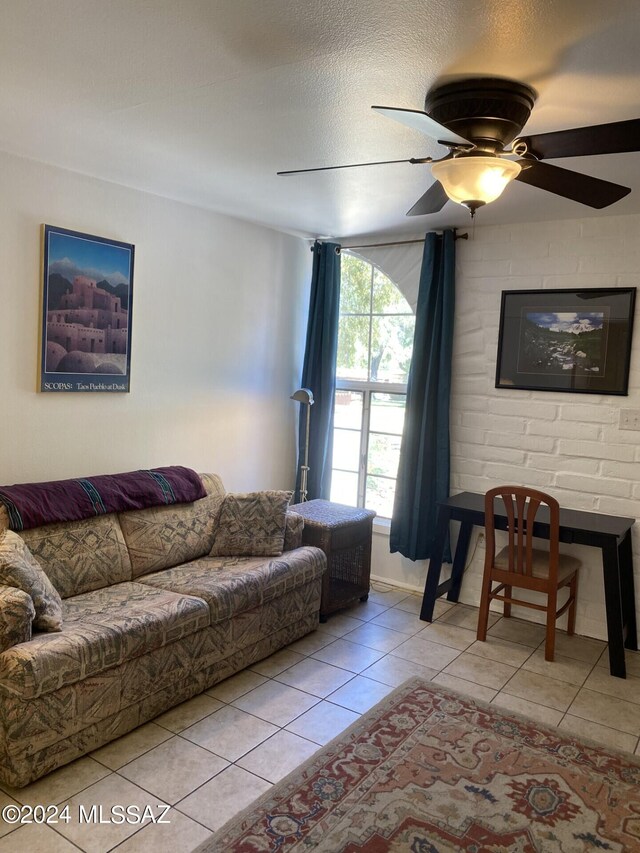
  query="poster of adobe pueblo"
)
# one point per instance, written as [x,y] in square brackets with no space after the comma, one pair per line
[86,312]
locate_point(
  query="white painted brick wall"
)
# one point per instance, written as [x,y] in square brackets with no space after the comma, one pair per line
[567,444]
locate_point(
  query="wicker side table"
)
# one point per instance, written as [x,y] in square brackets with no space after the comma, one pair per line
[344,534]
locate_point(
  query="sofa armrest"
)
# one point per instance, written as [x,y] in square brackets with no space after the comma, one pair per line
[294,525]
[16,617]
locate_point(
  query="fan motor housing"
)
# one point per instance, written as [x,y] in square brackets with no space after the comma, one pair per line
[489,111]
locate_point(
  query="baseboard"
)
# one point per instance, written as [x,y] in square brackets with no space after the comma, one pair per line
[409,587]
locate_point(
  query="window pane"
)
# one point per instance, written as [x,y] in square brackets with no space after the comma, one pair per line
[387,299]
[346,449]
[387,412]
[384,453]
[353,348]
[348,410]
[391,346]
[355,286]
[344,488]
[380,493]
[375,340]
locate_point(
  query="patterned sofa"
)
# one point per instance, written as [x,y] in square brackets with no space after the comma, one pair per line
[150,619]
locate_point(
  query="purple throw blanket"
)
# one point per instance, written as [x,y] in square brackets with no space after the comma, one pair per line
[33,504]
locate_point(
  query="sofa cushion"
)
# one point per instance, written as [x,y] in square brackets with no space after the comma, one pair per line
[252,524]
[164,536]
[80,556]
[232,585]
[101,629]
[19,569]
[16,617]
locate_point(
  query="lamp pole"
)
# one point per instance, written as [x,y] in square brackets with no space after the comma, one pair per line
[304,469]
[304,396]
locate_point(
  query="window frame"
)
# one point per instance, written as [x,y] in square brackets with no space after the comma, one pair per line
[368,388]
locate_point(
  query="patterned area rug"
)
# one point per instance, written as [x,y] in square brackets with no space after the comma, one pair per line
[431,771]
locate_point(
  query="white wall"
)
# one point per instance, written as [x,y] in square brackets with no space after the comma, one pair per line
[567,444]
[219,310]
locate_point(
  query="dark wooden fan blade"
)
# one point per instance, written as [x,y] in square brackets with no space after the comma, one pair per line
[419,120]
[432,201]
[352,166]
[615,138]
[585,189]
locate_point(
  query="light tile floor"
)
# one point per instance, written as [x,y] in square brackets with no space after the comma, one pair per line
[211,756]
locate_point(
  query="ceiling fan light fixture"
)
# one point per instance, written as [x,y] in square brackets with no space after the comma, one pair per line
[474,181]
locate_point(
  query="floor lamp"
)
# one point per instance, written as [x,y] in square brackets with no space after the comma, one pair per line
[304,396]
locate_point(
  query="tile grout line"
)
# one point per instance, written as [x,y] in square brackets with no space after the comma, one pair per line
[112,772]
[360,673]
[593,666]
[234,763]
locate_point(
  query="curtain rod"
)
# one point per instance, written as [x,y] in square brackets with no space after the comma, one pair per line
[456,236]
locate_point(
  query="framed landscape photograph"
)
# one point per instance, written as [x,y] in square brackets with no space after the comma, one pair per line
[87,285]
[566,340]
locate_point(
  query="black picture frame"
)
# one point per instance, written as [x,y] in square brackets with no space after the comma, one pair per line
[566,340]
[85,323]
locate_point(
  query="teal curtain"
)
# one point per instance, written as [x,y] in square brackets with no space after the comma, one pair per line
[423,471]
[319,369]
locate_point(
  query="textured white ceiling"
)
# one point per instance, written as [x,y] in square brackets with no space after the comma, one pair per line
[204,100]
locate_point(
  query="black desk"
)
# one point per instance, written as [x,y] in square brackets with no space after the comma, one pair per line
[608,532]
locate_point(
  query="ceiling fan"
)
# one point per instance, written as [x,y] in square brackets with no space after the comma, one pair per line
[478,120]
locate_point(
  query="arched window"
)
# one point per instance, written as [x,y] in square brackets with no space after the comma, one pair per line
[375,341]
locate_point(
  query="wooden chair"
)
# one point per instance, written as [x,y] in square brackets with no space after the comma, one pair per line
[521,565]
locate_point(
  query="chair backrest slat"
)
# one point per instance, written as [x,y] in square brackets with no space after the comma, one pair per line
[521,508]
[511,519]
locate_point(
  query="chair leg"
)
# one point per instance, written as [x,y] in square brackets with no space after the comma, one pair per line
[550,639]
[483,614]
[573,593]
[507,605]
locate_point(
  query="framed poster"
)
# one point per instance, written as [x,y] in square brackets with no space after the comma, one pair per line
[566,340]
[87,285]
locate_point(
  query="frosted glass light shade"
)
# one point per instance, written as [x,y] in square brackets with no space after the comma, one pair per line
[473,181]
